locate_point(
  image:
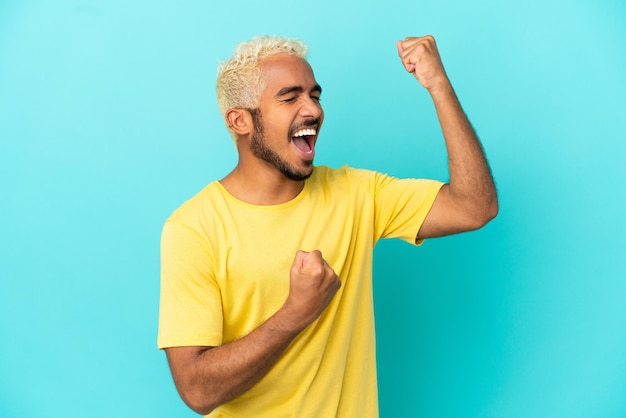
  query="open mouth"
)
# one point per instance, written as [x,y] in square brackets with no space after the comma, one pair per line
[304,140]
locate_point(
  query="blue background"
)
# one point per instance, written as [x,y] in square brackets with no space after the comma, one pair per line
[108,121]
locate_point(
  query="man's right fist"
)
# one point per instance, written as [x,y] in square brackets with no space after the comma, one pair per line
[313,284]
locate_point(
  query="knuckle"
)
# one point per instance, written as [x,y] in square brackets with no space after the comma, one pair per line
[318,271]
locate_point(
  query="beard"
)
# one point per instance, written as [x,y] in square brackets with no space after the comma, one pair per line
[261,150]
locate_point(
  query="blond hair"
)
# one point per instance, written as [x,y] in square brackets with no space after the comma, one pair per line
[239,81]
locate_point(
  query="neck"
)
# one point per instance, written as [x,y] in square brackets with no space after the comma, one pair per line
[261,186]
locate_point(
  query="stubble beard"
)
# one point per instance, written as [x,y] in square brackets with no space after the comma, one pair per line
[261,150]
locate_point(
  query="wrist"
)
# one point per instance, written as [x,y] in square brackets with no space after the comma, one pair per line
[440,87]
[286,321]
[444,97]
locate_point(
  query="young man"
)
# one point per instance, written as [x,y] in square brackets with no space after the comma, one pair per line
[266,293]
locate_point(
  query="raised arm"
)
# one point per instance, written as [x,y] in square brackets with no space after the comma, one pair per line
[207,377]
[469,200]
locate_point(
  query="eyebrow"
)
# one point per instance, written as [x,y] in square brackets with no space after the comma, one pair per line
[297,89]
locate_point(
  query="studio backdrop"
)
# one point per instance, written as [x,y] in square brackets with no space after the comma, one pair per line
[108,122]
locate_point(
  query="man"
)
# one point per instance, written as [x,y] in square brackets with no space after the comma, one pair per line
[266,293]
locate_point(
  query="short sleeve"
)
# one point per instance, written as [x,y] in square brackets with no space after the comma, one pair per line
[190,312]
[402,206]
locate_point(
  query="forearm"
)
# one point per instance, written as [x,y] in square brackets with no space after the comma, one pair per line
[471,182]
[470,200]
[209,377]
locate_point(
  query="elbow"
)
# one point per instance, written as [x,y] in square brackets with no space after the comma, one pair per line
[492,210]
[198,403]
[200,393]
[200,398]
[202,409]
[478,216]
[487,213]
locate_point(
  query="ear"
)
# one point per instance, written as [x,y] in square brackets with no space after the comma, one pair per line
[240,121]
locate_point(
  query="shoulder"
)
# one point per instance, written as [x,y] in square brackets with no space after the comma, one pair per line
[200,206]
[324,174]
[343,184]
[367,179]
[193,223]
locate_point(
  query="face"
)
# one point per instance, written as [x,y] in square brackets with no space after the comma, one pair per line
[289,117]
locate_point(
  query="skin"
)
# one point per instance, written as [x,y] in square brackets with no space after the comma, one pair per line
[290,100]
[260,149]
[470,200]
[207,377]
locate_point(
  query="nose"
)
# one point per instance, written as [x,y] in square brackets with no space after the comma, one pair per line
[311,108]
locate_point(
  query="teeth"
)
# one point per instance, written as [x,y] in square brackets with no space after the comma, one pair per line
[305,132]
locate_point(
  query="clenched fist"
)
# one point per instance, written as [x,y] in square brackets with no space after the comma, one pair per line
[421,57]
[313,283]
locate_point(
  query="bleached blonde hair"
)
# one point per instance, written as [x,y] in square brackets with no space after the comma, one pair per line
[239,81]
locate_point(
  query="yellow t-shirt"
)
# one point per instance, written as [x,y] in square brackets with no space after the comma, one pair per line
[225,270]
